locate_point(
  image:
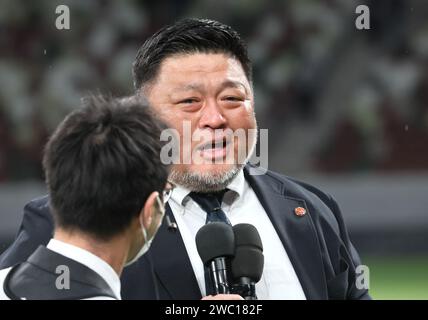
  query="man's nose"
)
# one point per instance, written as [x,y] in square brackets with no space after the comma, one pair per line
[212,116]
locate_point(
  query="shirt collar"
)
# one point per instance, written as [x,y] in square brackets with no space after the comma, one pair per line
[237,186]
[179,194]
[89,260]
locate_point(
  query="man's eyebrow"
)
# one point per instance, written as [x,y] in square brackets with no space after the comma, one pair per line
[189,87]
[233,84]
[200,87]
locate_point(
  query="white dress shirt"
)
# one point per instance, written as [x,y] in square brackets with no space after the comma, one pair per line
[93,262]
[241,205]
[3,275]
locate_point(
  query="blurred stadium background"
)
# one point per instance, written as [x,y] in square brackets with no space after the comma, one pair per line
[346,109]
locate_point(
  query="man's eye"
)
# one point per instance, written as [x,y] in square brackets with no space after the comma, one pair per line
[188,101]
[231,98]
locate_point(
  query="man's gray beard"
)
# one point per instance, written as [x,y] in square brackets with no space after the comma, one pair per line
[209,182]
[205,182]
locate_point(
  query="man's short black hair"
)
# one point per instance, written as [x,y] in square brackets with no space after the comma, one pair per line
[102,163]
[185,37]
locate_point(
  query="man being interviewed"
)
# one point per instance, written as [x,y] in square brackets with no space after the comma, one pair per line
[106,184]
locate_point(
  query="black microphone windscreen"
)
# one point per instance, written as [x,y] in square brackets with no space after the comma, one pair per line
[248,260]
[215,239]
[247,235]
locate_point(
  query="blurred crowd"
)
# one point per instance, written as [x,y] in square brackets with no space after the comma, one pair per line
[294,46]
[385,126]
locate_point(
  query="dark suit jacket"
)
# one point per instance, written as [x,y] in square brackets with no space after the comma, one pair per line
[36,279]
[317,243]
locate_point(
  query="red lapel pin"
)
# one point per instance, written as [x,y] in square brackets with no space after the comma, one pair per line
[299,211]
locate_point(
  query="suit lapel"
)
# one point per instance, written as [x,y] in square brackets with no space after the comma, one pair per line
[297,233]
[171,263]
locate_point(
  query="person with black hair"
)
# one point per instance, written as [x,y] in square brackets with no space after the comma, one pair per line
[196,74]
[106,185]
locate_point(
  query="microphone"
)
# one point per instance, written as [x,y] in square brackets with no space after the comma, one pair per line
[172,226]
[215,242]
[247,264]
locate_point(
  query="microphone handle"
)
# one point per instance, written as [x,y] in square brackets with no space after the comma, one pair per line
[246,288]
[218,275]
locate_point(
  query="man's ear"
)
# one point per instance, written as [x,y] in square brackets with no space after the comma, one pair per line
[146,214]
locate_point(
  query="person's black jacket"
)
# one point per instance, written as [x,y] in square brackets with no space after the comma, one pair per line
[37,279]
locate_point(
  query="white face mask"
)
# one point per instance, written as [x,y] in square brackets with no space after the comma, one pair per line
[144,248]
[147,242]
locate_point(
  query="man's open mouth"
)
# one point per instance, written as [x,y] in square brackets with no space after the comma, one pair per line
[214,149]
